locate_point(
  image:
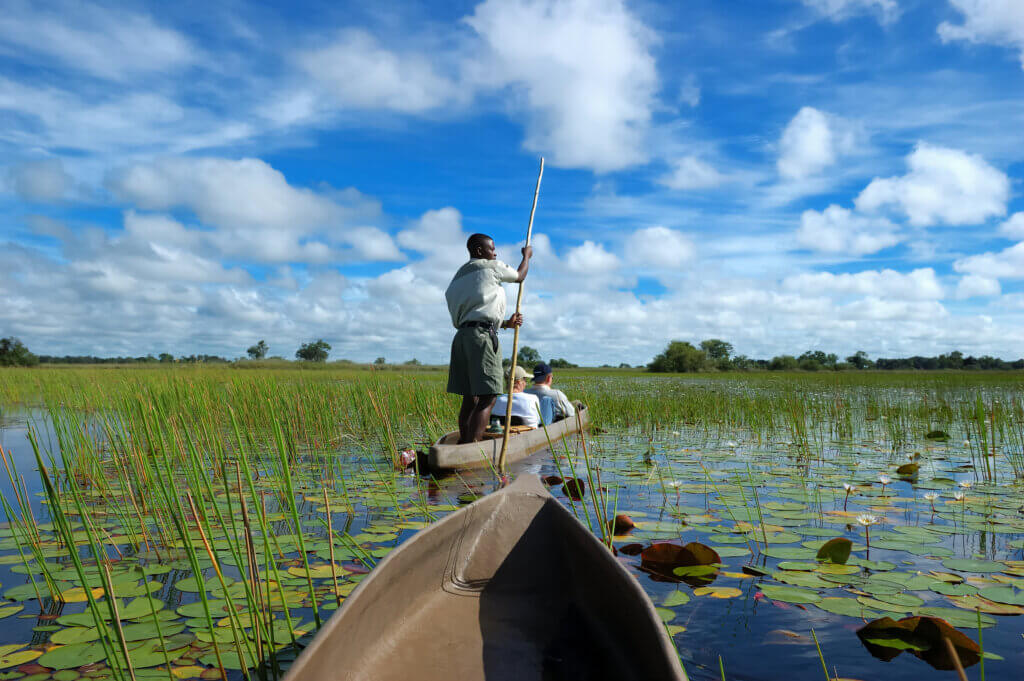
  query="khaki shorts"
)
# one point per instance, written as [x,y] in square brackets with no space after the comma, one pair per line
[475,366]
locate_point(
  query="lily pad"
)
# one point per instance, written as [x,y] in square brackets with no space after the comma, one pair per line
[789,594]
[1001,594]
[835,550]
[717,591]
[74,655]
[971,565]
[850,607]
[676,598]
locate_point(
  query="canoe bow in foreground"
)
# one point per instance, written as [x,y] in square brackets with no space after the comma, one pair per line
[510,588]
[444,455]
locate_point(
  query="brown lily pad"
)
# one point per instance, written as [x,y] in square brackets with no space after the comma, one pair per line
[922,636]
[621,524]
[574,488]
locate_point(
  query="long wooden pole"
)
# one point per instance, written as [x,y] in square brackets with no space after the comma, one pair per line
[515,333]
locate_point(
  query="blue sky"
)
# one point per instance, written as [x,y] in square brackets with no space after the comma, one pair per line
[783,174]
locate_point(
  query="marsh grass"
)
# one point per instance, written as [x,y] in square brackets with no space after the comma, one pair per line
[224,470]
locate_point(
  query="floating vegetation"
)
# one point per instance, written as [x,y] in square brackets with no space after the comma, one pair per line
[201,523]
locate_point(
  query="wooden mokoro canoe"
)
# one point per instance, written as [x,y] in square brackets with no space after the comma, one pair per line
[509,588]
[446,455]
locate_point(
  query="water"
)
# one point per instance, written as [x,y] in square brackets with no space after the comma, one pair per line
[679,486]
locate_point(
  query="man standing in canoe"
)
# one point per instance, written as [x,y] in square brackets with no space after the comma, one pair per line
[476,302]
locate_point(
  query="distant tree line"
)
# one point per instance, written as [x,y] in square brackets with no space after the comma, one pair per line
[528,358]
[717,355]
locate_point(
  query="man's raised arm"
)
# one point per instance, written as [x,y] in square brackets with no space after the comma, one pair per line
[524,266]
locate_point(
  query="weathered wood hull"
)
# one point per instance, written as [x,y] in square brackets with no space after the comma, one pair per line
[443,457]
[510,588]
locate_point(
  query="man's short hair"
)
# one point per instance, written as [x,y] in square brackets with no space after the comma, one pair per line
[476,240]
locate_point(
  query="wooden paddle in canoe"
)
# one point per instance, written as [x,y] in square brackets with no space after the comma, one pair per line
[510,588]
[446,455]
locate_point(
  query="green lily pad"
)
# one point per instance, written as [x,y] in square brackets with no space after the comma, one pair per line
[16,657]
[676,598]
[971,565]
[904,600]
[789,594]
[1002,594]
[74,655]
[947,589]
[731,551]
[876,604]
[790,553]
[845,606]
[957,617]
[835,550]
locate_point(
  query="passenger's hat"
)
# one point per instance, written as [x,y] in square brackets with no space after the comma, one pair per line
[541,371]
[520,373]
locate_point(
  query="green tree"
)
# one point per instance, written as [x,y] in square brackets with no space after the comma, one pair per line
[716,349]
[314,352]
[259,351]
[560,363]
[13,353]
[528,357]
[679,357]
[859,360]
[413,362]
[380,361]
[783,363]
[166,358]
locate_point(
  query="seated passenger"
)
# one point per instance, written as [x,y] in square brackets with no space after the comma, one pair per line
[525,407]
[542,378]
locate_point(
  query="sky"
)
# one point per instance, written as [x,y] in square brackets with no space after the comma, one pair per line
[785,175]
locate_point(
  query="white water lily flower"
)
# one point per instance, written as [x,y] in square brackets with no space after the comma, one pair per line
[884,479]
[867,519]
[931,496]
[673,483]
[959,496]
[964,484]
[848,487]
[730,443]
[967,443]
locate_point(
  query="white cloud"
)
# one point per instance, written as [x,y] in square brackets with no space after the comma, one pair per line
[256,213]
[690,172]
[837,10]
[225,192]
[998,22]
[689,92]
[920,284]
[1007,264]
[659,247]
[1014,227]
[362,74]
[943,186]
[44,180]
[591,259]
[110,43]
[813,141]
[436,231]
[838,230]
[973,285]
[585,71]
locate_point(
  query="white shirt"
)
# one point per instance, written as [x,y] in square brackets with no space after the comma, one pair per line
[563,407]
[475,293]
[524,405]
